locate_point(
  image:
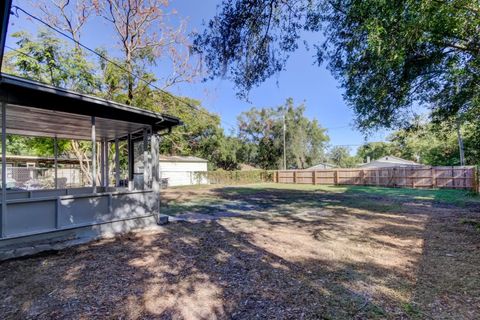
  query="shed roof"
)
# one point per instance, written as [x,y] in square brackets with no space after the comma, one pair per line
[181,159]
[38,109]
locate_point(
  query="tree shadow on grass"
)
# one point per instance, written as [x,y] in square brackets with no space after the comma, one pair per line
[188,271]
[425,216]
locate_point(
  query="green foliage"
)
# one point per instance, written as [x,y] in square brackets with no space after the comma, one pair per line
[473,223]
[375,150]
[35,146]
[340,156]
[412,310]
[47,59]
[17,145]
[119,86]
[429,143]
[235,177]
[261,129]
[201,134]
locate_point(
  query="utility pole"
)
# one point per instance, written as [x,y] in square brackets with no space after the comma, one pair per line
[460,143]
[284,143]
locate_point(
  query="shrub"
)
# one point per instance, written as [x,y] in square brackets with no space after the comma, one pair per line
[234,177]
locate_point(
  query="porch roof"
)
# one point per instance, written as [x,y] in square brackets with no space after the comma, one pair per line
[37,109]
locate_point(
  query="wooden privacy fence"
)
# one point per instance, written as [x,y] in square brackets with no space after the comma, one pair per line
[401,177]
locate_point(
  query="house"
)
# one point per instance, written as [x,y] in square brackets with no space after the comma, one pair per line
[322,165]
[34,220]
[390,161]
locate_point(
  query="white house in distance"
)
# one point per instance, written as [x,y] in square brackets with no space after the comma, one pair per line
[180,171]
[390,161]
[322,165]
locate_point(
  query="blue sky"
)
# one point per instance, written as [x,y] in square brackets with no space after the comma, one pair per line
[302,80]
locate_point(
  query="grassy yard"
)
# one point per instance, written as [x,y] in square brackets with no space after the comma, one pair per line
[269,251]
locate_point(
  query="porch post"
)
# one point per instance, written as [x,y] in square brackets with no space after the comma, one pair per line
[55,160]
[154,146]
[107,180]
[117,164]
[146,170]
[131,160]
[94,156]
[4,170]
[102,163]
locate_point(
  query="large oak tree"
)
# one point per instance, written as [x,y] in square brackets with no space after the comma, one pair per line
[390,56]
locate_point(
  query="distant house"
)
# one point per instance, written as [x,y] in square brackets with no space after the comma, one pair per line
[38,172]
[178,170]
[322,165]
[390,161]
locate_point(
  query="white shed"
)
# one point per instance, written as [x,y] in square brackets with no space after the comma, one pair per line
[180,171]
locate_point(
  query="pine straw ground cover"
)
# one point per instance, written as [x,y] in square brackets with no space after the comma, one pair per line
[284,252]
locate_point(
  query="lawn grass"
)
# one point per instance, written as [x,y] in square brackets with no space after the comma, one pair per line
[211,199]
[447,196]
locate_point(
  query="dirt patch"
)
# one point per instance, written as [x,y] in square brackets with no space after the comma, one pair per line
[278,254]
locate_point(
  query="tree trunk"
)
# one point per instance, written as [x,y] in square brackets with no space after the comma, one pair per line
[85,162]
[130,80]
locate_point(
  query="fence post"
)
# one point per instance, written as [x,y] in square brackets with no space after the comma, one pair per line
[394,177]
[475,180]
[294,176]
[362,175]
[434,177]
[335,177]
[314,174]
[453,178]
[412,177]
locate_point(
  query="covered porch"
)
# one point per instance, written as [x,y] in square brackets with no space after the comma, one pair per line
[33,109]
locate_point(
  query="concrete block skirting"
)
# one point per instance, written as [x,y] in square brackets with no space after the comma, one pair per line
[60,239]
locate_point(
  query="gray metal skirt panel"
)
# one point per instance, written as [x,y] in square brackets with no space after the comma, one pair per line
[60,239]
[37,215]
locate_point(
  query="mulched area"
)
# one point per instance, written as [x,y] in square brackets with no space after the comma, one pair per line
[275,254]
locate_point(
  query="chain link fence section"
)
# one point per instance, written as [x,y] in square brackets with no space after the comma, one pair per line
[34,178]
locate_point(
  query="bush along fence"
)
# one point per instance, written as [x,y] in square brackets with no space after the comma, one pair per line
[464,177]
[234,177]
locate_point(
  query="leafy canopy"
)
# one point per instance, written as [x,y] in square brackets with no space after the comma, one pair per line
[261,130]
[340,156]
[428,143]
[389,56]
